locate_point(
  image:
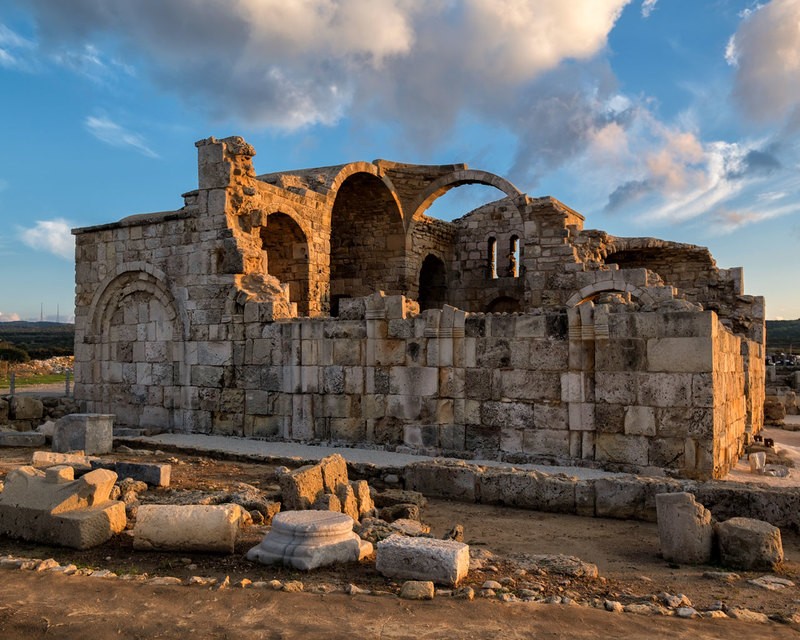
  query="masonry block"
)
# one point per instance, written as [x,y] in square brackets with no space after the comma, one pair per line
[440,561]
[90,432]
[53,508]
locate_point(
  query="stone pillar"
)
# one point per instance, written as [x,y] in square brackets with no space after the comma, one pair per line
[578,383]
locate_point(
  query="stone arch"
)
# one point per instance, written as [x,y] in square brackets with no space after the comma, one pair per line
[286,256]
[136,367]
[504,304]
[456,179]
[432,283]
[367,238]
[608,286]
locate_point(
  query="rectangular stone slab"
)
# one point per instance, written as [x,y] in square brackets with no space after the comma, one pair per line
[440,561]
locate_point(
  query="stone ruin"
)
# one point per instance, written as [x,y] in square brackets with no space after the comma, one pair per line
[324,305]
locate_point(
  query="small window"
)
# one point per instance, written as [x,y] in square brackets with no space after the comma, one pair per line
[492,258]
[512,269]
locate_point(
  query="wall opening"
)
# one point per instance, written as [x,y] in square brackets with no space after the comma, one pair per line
[367,240]
[286,256]
[491,258]
[432,283]
[512,268]
[504,304]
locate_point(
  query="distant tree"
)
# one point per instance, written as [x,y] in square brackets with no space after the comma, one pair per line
[10,353]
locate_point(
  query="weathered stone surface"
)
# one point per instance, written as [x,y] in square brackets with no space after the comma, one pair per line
[301,487]
[440,561]
[21,439]
[89,432]
[389,497]
[348,501]
[685,530]
[42,459]
[365,504]
[306,540]
[745,543]
[187,527]
[334,472]
[596,348]
[25,408]
[154,474]
[417,590]
[53,508]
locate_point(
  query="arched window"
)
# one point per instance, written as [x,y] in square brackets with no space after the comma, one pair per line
[492,258]
[432,284]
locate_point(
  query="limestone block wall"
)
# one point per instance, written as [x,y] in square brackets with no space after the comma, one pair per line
[669,390]
[215,319]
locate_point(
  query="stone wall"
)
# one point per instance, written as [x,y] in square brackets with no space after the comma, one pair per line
[219,318]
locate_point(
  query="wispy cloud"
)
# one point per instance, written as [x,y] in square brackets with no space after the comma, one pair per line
[108,131]
[53,236]
[9,317]
[647,7]
[15,50]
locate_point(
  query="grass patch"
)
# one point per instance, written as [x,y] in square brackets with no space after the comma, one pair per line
[31,380]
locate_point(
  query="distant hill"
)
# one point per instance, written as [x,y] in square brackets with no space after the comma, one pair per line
[40,340]
[783,335]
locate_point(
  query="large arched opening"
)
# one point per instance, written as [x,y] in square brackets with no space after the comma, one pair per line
[432,283]
[286,257]
[367,240]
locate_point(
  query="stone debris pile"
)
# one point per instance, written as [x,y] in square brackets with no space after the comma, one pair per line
[687,534]
[52,507]
[325,486]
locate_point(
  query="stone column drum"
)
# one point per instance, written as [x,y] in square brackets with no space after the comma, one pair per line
[309,539]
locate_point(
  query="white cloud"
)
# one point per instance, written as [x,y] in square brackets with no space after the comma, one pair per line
[53,236]
[108,131]
[9,317]
[766,52]
[647,7]
[294,64]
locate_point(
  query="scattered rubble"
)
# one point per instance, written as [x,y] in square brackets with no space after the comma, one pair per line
[51,506]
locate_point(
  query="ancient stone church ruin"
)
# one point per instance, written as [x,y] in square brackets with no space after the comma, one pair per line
[324,305]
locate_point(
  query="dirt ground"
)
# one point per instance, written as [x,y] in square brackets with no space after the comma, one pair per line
[39,605]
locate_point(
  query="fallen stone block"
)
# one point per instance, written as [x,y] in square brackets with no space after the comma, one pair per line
[301,487]
[91,432]
[444,480]
[187,527]
[25,408]
[347,498]
[22,439]
[440,561]
[391,497]
[334,472]
[685,530]
[365,504]
[306,540]
[42,459]
[417,590]
[745,543]
[52,507]
[154,474]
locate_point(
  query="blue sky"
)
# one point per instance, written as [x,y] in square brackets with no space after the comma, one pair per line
[677,119]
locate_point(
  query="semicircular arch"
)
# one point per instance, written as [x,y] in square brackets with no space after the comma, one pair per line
[459,178]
